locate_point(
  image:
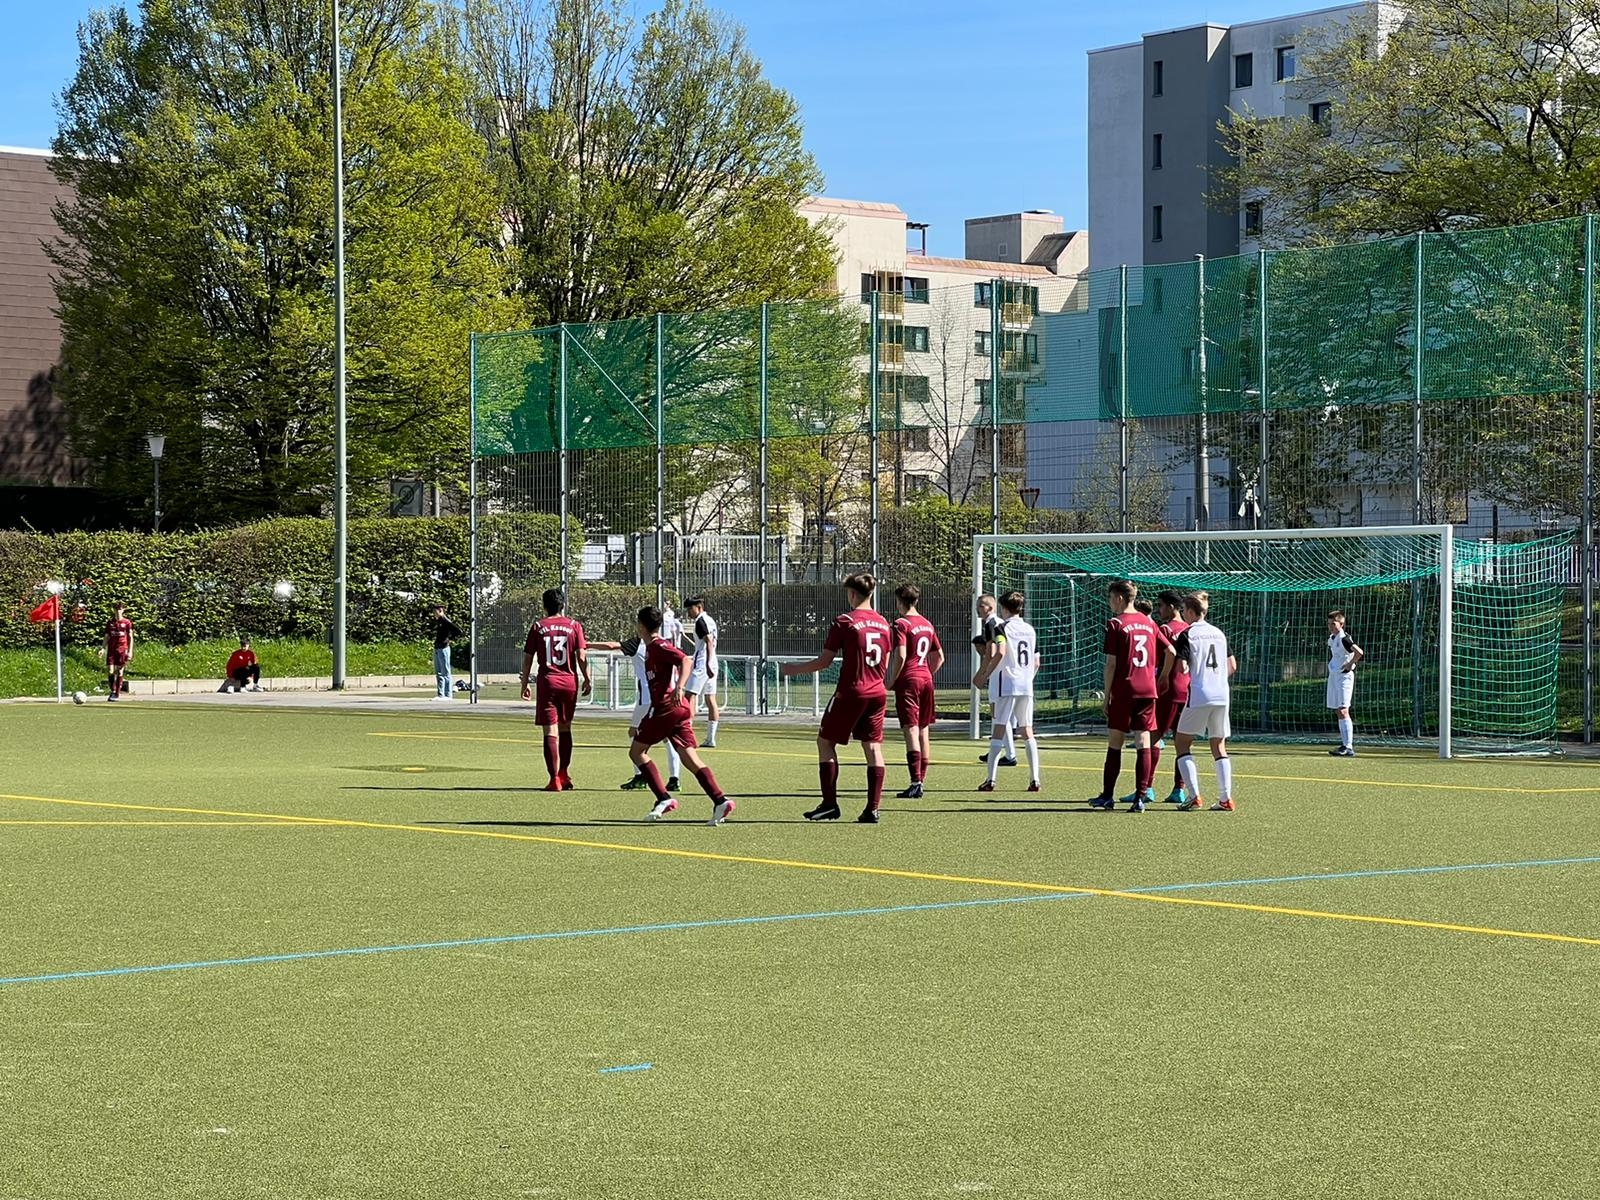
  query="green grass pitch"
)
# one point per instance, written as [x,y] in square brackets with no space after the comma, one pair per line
[1236,1039]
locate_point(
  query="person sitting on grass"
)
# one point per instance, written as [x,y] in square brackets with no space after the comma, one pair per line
[244,672]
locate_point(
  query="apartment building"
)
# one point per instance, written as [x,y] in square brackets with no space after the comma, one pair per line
[936,324]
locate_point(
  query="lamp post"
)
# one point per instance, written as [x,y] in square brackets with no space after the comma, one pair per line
[158,445]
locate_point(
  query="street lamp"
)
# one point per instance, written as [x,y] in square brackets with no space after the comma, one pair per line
[158,446]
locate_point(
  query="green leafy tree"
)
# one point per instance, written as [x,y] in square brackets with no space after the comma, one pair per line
[195,267]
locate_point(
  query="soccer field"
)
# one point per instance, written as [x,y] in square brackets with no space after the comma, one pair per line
[272,952]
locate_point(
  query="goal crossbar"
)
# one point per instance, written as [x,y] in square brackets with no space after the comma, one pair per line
[1444,533]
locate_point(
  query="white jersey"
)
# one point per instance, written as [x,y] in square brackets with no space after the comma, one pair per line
[1205,648]
[671,627]
[705,654]
[1340,647]
[1019,656]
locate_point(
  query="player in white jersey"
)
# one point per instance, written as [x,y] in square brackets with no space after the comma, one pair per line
[988,660]
[1009,674]
[705,669]
[671,626]
[1205,648]
[1343,655]
[634,649]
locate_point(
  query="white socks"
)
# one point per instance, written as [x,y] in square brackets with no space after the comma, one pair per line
[1011,742]
[1033,760]
[1225,778]
[674,763]
[711,731]
[1191,776]
[1347,732]
[995,745]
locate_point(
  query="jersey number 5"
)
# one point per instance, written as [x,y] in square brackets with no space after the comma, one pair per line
[874,651]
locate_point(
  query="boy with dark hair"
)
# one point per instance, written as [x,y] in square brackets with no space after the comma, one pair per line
[670,718]
[1015,665]
[705,670]
[444,632]
[916,659]
[1173,687]
[1343,658]
[861,636]
[984,642]
[1131,645]
[119,650]
[556,646]
[242,669]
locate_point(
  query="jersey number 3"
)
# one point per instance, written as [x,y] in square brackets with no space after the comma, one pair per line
[1141,650]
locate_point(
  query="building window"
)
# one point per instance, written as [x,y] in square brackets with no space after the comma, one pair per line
[982,294]
[1158,293]
[1158,77]
[916,337]
[1244,70]
[869,284]
[1285,63]
[981,386]
[919,485]
[1030,346]
[1155,152]
[1322,114]
[981,344]
[1155,223]
[916,438]
[1252,219]
[917,389]
[916,290]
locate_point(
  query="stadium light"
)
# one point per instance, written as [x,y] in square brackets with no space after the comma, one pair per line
[157,444]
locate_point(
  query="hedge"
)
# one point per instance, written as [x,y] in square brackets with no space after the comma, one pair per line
[184,586]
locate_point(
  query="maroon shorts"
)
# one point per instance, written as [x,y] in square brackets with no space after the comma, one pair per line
[116,658]
[859,717]
[1169,708]
[1131,714]
[555,702]
[676,727]
[913,703]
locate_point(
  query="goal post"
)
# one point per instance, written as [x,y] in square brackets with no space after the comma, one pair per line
[1462,637]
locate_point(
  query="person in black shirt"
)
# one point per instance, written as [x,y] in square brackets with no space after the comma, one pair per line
[444,631]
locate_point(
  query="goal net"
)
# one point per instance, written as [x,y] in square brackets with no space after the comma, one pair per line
[1462,638]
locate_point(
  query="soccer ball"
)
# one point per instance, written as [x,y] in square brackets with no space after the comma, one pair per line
[80,697]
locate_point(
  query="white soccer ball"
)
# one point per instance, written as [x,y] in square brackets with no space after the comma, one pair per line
[80,697]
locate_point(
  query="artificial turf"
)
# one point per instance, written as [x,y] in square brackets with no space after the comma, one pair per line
[1050,1045]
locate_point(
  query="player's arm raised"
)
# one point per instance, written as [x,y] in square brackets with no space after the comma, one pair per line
[820,663]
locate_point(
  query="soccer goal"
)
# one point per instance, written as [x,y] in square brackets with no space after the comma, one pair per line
[1462,638]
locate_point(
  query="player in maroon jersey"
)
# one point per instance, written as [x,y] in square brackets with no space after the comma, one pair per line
[670,718]
[856,709]
[916,659]
[1132,648]
[119,651]
[555,644]
[1174,689]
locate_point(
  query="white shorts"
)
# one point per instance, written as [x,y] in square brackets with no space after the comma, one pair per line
[700,684]
[1207,721]
[1014,710]
[639,711]
[1341,686]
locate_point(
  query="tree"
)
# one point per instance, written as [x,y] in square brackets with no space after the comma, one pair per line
[955,444]
[646,166]
[196,260]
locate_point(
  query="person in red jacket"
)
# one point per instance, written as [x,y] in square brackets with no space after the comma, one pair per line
[244,672]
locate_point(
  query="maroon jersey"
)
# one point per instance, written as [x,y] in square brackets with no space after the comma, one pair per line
[1178,683]
[1135,642]
[920,639]
[663,668]
[119,635]
[554,643]
[863,638]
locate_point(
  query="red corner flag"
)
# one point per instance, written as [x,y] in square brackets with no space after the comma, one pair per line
[47,612]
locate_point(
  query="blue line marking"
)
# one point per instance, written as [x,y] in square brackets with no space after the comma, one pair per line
[632,1067]
[774,919]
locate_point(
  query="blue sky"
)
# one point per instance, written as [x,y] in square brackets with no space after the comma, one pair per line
[939,106]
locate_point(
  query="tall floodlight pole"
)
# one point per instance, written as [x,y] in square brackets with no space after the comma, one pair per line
[341,484]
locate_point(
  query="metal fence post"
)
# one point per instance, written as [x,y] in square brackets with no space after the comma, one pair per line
[1588,478]
[1261,384]
[1122,398]
[1202,432]
[566,570]
[996,361]
[661,462]
[472,518]
[1446,570]
[761,670]
[874,360]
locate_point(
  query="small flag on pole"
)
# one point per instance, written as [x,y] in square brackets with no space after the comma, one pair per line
[47,612]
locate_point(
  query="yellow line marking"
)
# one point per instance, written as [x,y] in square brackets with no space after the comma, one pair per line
[844,868]
[187,824]
[940,762]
